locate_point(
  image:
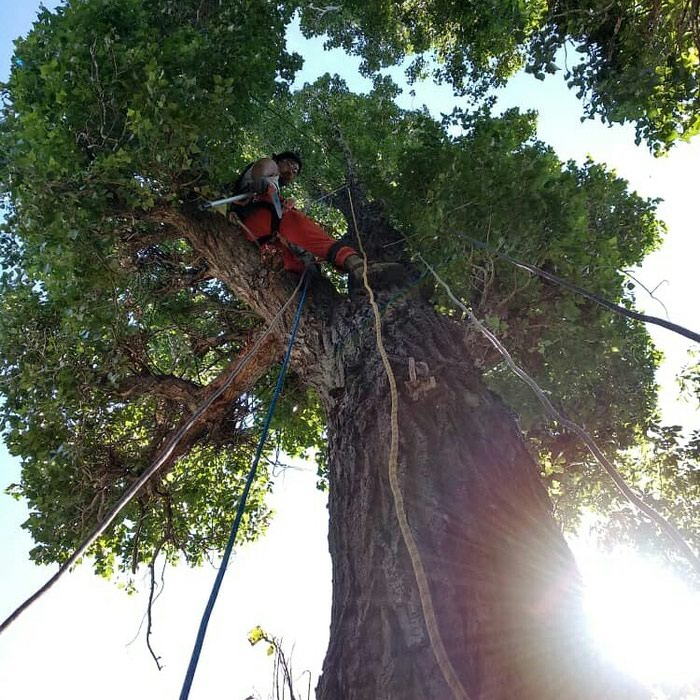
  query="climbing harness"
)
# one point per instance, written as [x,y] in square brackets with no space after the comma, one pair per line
[247,201]
[194,660]
[426,600]
[160,460]
[304,255]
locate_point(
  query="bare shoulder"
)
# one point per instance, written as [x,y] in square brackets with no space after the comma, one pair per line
[265,167]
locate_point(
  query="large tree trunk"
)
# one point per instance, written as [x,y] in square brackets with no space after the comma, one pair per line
[503,582]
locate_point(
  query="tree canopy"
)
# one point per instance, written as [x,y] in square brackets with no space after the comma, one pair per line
[114,328]
[631,62]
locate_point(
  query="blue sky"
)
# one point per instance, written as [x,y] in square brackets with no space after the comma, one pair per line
[76,637]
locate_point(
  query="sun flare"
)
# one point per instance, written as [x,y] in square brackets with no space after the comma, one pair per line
[645,618]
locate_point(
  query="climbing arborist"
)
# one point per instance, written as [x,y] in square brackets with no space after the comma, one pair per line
[285,234]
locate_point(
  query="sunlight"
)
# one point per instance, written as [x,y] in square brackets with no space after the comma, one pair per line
[645,618]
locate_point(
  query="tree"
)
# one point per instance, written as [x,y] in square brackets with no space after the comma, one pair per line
[639,62]
[125,306]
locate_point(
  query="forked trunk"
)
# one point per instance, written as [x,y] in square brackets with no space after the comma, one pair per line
[504,585]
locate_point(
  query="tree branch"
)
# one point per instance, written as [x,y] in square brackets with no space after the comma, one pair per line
[268,353]
[165,386]
[149,610]
[203,345]
[236,262]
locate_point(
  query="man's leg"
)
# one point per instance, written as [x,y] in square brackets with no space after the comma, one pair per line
[302,231]
[257,224]
[258,228]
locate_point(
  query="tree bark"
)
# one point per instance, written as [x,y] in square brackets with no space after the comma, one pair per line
[504,585]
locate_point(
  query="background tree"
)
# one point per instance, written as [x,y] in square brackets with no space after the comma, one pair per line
[638,62]
[124,307]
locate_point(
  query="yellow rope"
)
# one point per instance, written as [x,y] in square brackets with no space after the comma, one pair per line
[426,600]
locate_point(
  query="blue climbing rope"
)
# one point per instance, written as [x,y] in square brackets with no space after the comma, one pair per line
[194,659]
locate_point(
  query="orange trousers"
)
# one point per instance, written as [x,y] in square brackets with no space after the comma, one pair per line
[299,229]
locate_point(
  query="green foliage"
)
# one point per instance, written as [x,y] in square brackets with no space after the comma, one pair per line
[84,437]
[111,325]
[473,42]
[664,468]
[282,674]
[125,101]
[496,183]
[689,379]
[258,634]
[640,62]
[110,106]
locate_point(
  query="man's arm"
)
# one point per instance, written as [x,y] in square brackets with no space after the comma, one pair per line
[263,168]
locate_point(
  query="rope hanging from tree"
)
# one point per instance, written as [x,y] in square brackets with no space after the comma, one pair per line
[159,461]
[605,303]
[666,527]
[429,616]
[201,633]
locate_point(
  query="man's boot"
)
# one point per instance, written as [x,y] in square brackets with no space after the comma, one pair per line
[380,275]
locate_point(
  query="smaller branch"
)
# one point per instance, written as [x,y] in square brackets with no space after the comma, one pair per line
[202,346]
[170,533]
[650,292]
[321,11]
[184,280]
[138,631]
[162,579]
[149,611]
[152,598]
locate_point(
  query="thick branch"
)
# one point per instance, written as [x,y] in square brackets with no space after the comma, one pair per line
[236,261]
[267,354]
[230,257]
[204,345]
[165,386]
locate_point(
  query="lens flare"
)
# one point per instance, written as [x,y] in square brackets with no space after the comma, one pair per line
[645,618]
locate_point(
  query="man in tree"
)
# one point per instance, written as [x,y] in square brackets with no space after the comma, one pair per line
[282,231]
[101,134]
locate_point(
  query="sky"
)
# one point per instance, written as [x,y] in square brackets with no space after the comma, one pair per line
[75,641]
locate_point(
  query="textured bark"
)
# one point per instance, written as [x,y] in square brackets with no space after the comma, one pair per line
[504,585]
[234,260]
[166,386]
